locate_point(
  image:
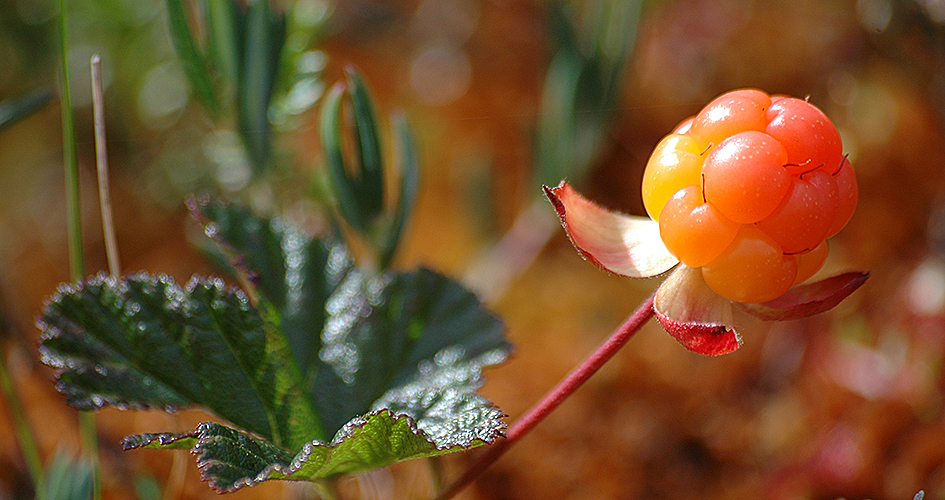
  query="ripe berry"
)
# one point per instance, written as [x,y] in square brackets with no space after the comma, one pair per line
[808,263]
[694,230]
[675,164]
[744,176]
[805,214]
[749,189]
[752,269]
[848,194]
[730,113]
[807,135]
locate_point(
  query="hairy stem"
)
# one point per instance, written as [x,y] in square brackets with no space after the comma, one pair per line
[555,397]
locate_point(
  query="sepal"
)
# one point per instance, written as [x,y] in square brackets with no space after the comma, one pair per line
[700,319]
[622,244]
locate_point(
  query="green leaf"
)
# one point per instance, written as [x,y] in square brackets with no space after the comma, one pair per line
[412,367]
[409,186]
[15,109]
[557,123]
[145,342]
[293,272]
[390,363]
[264,38]
[192,59]
[373,333]
[223,23]
[582,84]
[371,181]
[229,459]
[360,195]
[345,188]
[389,331]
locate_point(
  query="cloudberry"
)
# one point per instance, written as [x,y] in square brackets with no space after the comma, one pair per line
[749,190]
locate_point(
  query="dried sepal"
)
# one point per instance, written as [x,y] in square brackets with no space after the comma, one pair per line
[622,244]
[807,300]
[700,319]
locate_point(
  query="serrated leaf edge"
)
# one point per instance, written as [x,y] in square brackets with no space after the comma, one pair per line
[66,288]
[285,471]
[346,432]
[140,441]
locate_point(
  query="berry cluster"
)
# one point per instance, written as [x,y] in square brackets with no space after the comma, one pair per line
[749,190]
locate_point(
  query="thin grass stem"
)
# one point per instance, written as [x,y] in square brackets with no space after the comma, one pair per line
[24,434]
[101,167]
[73,204]
[87,428]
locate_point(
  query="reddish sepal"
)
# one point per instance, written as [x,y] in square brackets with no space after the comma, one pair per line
[807,300]
[700,319]
[622,244]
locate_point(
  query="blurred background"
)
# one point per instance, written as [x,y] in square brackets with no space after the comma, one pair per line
[504,95]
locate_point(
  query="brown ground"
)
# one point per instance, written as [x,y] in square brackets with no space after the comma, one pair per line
[849,403]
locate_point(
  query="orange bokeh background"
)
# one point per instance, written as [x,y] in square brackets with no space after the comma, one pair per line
[846,404]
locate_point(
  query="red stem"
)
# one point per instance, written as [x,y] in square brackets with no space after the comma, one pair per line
[553,398]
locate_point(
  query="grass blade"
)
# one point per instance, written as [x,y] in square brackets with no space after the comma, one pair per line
[87,427]
[265,34]
[193,61]
[409,186]
[345,189]
[369,148]
[223,24]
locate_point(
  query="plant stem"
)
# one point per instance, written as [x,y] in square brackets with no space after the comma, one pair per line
[87,428]
[73,206]
[23,432]
[435,465]
[328,489]
[89,435]
[555,397]
[101,164]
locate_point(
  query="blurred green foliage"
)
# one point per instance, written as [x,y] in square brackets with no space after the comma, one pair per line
[582,86]
[198,117]
[357,174]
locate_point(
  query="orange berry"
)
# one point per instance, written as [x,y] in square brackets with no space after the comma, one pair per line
[676,163]
[744,176]
[808,136]
[802,219]
[749,189]
[808,263]
[693,230]
[848,193]
[753,269]
[729,114]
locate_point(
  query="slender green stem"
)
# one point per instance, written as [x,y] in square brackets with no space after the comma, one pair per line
[328,489]
[436,473]
[23,432]
[87,427]
[73,206]
[89,436]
